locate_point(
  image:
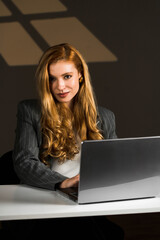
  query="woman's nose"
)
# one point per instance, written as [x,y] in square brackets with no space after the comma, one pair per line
[60,84]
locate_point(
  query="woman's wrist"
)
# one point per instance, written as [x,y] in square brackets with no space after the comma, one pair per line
[63,184]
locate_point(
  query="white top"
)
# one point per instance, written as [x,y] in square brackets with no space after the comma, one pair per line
[69,168]
[24,202]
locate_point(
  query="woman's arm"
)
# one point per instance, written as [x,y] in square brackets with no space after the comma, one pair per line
[27,164]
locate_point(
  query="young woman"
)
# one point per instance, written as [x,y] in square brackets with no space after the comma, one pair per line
[49,130]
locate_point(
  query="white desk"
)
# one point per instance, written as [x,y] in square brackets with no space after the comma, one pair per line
[24,202]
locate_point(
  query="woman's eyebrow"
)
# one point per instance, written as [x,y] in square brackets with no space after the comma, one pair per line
[66,73]
[61,75]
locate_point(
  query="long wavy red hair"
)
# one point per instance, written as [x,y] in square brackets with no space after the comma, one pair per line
[59,124]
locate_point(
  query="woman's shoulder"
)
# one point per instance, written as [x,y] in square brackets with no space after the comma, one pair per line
[30,103]
[31,106]
[105,112]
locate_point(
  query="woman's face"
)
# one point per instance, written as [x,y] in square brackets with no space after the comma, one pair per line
[64,81]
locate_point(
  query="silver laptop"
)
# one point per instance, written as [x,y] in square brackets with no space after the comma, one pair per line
[117,169]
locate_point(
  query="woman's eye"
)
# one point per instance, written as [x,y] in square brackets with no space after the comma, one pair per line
[67,76]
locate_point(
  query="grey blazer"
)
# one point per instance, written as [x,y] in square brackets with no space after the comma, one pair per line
[28,140]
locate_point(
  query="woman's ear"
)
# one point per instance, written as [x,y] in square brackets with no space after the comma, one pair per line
[79,75]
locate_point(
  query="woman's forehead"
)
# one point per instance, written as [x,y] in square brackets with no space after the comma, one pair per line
[62,67]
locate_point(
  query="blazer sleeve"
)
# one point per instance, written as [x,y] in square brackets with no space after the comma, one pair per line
[107,123]
[26,160]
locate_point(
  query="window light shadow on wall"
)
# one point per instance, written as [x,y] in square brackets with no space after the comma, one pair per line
[19,47]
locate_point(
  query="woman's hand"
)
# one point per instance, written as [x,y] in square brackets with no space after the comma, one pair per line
[70,182]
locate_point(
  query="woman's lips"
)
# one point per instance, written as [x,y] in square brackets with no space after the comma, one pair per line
[63,95]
